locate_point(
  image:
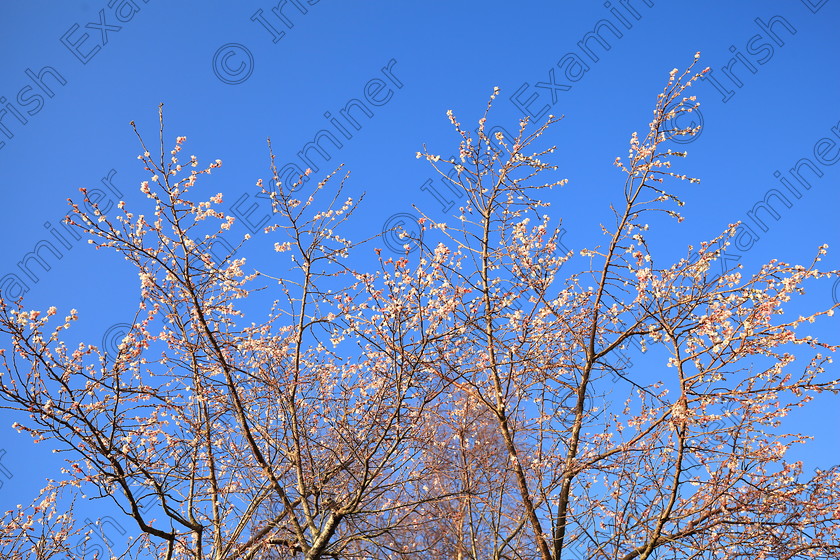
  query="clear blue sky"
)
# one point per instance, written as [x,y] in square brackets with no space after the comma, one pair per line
[74,73]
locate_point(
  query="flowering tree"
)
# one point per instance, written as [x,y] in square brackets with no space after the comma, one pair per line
[461,402]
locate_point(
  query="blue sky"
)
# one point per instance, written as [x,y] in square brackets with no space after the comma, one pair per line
[232,74]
